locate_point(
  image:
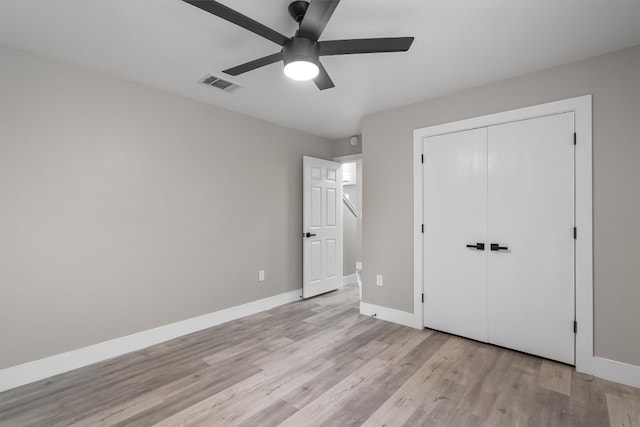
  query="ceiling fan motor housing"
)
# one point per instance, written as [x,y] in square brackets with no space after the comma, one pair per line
[301,49]
[297,9]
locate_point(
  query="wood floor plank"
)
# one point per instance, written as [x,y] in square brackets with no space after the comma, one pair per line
[409,397]
[328,403]
[588,406]
[262,390]
[270,416]
[398,350]
[483,388]
[555,376]
[191,396]
[71,403]
[328,313]
[247,347]
[356,408]
[623,411]
[548,408]
[516,394]
[435,409]
[315,345]
[118,413]
[309,391]
[319,362]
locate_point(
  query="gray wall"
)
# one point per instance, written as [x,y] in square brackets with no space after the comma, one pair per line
[352,242]
[614,81]
[342,147]
[123,208]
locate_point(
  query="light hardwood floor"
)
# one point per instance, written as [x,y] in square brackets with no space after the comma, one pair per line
[319,363]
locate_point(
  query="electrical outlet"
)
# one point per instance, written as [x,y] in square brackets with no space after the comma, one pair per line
[261,276]
[358,265]
[379,281]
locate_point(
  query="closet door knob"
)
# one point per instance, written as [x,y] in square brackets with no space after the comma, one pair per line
[497,247]
[478,246]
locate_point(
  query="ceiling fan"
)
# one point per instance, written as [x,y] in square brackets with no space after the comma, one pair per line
[301,52]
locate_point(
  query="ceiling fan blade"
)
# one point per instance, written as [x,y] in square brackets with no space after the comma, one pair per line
[316,18]
[322,80]
[352,46]
[252,65]
[239,19]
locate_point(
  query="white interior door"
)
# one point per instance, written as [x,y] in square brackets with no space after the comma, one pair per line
[455,215]
[531,212]
[322,226]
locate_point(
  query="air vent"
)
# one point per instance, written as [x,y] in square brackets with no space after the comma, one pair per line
[220,83]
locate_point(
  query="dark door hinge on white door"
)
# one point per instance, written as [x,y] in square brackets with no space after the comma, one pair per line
[422,297]
[422,228]
[575,327]
[421,158]
[575,232]
[575,138]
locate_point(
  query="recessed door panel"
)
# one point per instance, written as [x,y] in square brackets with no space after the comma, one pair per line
[316,207]
[331,207]
[455,215]
[531,217]
[332,251]
[316,261]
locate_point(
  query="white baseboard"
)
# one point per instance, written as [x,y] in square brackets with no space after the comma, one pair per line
[26,373]
[389,314]
[619,372]
[349,279]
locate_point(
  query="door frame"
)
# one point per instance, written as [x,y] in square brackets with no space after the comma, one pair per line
[347,159]
[581,107]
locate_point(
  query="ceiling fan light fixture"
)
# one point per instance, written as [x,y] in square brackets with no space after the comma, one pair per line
[300,57]
[301,70]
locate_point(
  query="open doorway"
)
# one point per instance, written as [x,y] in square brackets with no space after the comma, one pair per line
[352,220]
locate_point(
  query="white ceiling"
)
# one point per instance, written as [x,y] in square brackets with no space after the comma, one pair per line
[171,45]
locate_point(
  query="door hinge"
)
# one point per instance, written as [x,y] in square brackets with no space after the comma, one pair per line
[421,158]
[422,297]
[422,228]
[575,233]
[575,138]
[575,327]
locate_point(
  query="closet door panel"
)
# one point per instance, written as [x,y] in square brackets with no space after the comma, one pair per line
[455,215]
[531,212]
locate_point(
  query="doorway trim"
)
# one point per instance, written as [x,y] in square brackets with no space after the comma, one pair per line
[581,107]
[349,158]
[346,159]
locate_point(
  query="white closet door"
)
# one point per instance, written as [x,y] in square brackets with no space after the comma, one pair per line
[531,212]
[455,215]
